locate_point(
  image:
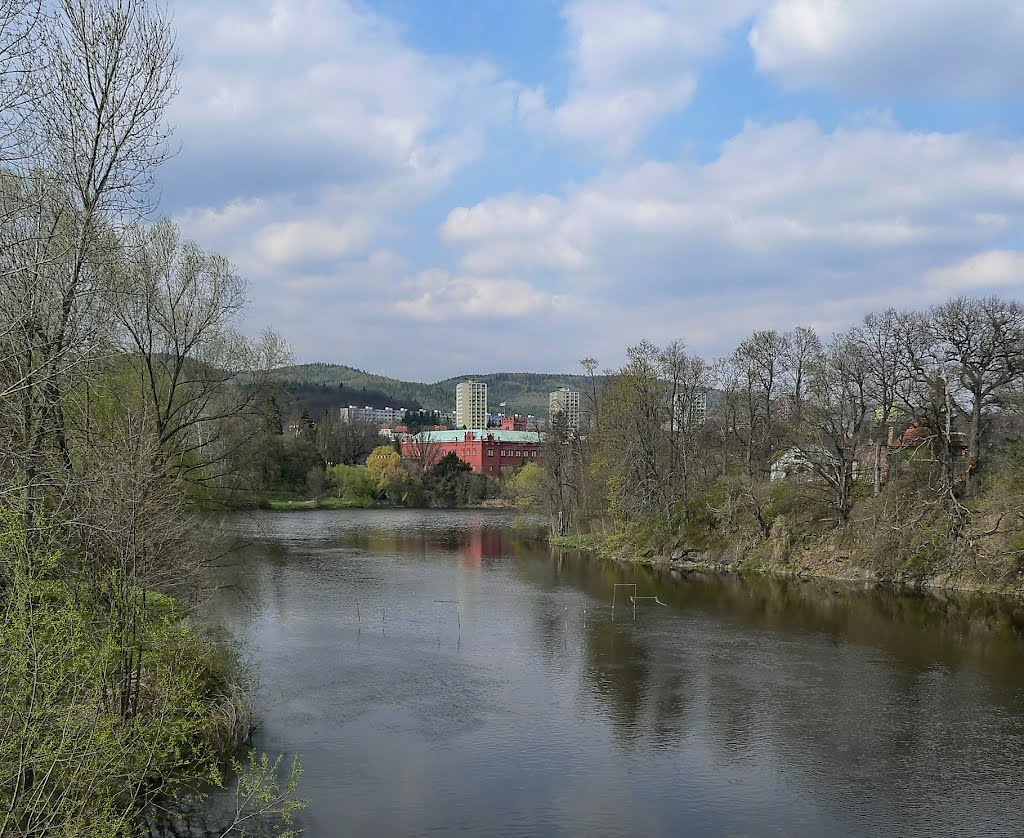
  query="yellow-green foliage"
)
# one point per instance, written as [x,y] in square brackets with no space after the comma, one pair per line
[73,760]
[353,484]
[530,487]
[383,464]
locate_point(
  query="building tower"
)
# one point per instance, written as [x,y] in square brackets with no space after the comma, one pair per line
[565,402]
[471,404]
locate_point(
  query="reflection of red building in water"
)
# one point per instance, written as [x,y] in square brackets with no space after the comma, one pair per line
[490,451]
[482,544]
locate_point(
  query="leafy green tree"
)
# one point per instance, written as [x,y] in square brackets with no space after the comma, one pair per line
[354,485]
[383,464]
[447,481]
[530,487]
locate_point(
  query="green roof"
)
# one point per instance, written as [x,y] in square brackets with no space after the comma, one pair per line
[481,433]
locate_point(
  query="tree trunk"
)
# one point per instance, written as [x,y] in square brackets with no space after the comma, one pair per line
[973,445]
[878,469]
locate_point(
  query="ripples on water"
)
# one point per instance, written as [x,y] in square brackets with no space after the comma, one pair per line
[530,707]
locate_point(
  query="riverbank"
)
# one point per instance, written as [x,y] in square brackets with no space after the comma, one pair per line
[279,504]
[826,561]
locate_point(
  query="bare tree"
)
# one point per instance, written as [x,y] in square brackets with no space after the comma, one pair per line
[982,342]
[878,338]
[423,450]
[562,456]
[687,379]
[925,393]
[99,94]
[836,416]
[754,383]
[803,349]
[200,378]
[589,365]
[21,41]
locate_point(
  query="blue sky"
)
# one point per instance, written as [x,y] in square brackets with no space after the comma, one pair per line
[426,189]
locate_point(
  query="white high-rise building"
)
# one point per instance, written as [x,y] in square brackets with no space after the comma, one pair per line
[471,404]
[565,402]
[690,412]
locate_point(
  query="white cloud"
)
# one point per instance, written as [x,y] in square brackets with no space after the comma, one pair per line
[787,219]
[516,213]
[206,222]
[880,47]
[310,240]
[286,102]
[438,295]
[634,62]
[317,141]
[991,270]
[311,131]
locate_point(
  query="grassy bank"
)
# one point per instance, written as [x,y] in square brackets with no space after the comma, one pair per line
[299,504]
[587,542]
[283,502]
[827,561]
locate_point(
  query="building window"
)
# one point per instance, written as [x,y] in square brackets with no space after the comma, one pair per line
[490,452]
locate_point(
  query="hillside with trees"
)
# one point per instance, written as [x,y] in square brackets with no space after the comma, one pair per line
[315,387]
[893,450]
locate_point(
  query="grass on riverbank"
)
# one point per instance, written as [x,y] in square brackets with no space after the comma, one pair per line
[590,542]
[284,502]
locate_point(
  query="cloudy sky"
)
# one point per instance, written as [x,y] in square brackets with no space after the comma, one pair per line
[425,188]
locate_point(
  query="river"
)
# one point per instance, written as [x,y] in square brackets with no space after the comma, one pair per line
[449,674]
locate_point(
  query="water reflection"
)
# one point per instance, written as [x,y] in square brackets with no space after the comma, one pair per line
[747,706]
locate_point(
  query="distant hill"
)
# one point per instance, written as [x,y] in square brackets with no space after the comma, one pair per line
[316,387]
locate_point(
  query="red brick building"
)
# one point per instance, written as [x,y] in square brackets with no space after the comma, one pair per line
[488,451]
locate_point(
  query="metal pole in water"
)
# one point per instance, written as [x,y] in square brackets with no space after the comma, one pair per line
[358,615]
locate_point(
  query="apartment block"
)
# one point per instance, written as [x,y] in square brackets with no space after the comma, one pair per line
[373,415]
[471,404]
[566,403]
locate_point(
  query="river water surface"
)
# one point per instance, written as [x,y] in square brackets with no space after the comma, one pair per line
[448,673]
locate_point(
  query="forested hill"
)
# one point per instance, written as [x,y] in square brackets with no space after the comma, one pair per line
[316,387]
